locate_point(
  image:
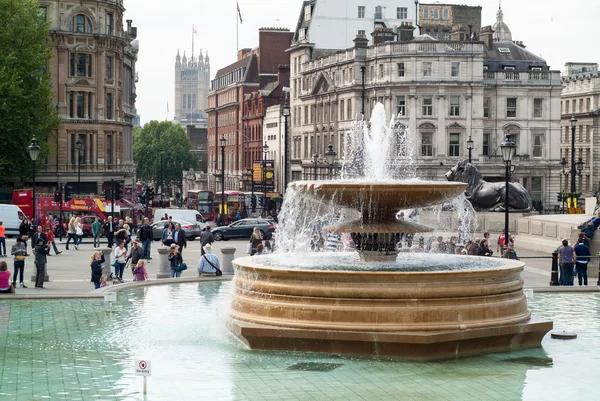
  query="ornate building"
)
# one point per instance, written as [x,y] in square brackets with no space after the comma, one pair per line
[192,84]
[94,78]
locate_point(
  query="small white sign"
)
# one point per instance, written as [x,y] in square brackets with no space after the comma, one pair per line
[142,368]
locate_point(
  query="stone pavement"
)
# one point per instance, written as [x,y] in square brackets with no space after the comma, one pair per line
[69,272]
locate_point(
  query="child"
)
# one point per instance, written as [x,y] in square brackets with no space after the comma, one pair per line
[2,240]
[103,282]
[5,285]
[140,273]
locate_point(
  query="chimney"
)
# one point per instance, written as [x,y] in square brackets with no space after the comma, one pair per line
[458,34]
[129,25]
[242,53]
[382,35]
[406,32]
[361,42]
[486,35]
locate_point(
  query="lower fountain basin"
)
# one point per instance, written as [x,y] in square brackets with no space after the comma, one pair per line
[446,312]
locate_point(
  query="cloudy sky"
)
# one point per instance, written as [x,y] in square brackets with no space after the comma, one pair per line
[559,31]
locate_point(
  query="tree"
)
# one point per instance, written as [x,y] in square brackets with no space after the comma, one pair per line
[26,105]
[170,140]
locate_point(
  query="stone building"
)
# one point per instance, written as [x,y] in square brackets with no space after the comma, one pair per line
[438,20]
[444,91]
[94,77]
[192,84]
[581,99]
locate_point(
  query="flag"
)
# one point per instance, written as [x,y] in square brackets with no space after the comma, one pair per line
[238,10]
[194,30]
[167,107]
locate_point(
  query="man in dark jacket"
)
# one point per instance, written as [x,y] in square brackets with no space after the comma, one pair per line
[40,235]
[206,237]
[146,236]
[179,238]
[135,254]
[582,251]
[24,232]
[41,251]
[108,227]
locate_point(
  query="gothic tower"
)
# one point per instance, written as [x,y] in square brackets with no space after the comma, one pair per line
[192,84]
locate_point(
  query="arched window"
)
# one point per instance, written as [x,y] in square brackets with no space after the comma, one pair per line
[189,101]
[193,102]
[184,103]
[80,24]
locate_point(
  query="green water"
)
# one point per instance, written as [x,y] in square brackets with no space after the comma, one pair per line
[78,350]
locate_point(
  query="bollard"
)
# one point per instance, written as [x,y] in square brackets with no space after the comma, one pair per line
[554,275]
[46,277]
[106,267]
[227,259]
[598,282]
[164,266]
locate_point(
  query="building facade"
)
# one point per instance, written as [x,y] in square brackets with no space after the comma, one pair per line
[192,84]
[581,100]
[438,20]
[94,77]
[445,92]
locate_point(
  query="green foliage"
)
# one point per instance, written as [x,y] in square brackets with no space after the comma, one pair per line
[156,137]
[26,106]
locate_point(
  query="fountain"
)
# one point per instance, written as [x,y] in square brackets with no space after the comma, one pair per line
[417,306]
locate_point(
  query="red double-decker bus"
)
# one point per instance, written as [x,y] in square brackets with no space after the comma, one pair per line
[203,201]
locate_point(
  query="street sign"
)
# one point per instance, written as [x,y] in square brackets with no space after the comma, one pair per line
[142,368]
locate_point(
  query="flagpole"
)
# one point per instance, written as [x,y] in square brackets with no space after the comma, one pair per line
[237,27]
[192,41]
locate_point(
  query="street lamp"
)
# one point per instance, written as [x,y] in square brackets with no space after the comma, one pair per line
[222,142]
[573,172]
[265,149]
[330,155]
[508,148]
[285,112]
[34,151]
[79,146]
[315,161]
[470,147]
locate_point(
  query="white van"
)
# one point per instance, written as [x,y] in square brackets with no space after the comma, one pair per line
[11,217]
[189,215]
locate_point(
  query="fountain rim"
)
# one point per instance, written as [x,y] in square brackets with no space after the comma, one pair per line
[384,184]
[508,265]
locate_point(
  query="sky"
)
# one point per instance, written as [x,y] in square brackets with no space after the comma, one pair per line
[559,31]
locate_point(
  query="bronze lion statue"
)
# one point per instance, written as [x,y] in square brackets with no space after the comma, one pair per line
[489,196]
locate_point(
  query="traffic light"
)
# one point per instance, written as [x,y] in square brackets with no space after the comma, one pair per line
[260,201]
[68,193]
[150,194]
[117,190]
[559,197]
[253,202]
[57,196]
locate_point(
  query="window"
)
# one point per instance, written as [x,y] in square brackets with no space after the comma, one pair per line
[537,108]
[349,106]
[361,32]
[71,105]
[109,150]
[80,24]
[427,105]
[400,69]
[425,13]
[446,35]
[511,107]
[381,70]
[588,104]
[109,107]
[486,144]
[538,149]
[401,105]
[307,13]
[455,69]
[109,64]
[89,104]
[436,13]
[361,11]
[401,12]
[445,14]
[427,69]
[426,144]
[81,155]
[455,106]
[378,12]
[109,24]
[305,115]
[486,107]
[567,106]
[43,13]
[454,145]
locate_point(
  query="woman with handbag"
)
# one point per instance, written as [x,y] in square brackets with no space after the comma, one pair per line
[168,235]
[78,232]
[176,261]
[209,263]
[255,239]
[96,264]
[120,260]
[71,233]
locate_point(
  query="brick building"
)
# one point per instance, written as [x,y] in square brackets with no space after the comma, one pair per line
[438,20]
[94,79]
[255,69]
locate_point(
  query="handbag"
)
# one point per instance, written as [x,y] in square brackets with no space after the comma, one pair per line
[218,272]
[114,263]
[181,267]
[249,249]
[79,231]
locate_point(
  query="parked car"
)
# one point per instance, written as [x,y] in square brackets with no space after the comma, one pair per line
[192,230]
[243,229]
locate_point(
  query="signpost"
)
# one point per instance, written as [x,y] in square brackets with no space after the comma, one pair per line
[143,368]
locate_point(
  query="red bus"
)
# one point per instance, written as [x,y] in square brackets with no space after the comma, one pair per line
[233,199]
[203,201]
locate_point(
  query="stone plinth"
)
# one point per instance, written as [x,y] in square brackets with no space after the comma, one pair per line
[227,260]
[420,315]
[164,266]
[106,266]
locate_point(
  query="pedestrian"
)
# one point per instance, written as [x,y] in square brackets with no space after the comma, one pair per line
[175,259]
[510,252]
[501,245]
[255,239]
[260,249]
[206,237]
[135,254]
[96,264]
[209,263]
[50,238]
[24,229]
[2,240]
[5,285]
[41,251]
[103,282]
[484,248]
[179,238]
[71,230]
[78,232]
[566,257]
[39,234]
[146,236]
[96,232]
[474,249]
[167,235]
[108,231]
[333,243]
[19,251]
[581,262]
[139,272]
[165,217]
[120,260]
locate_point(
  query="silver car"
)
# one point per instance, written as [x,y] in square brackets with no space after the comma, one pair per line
[192,230]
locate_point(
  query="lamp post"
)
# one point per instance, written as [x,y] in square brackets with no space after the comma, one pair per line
[79,146]
[508,148]
[264,173]
[315,161]
[330,158]
[573,172]
[34,151]
[161,179]
[222,142]
[285,112]
[470,148]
